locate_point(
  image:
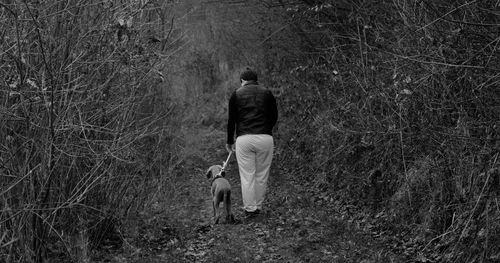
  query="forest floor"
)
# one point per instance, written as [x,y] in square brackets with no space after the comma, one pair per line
[296,225]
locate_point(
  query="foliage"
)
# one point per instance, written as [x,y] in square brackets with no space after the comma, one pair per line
[87,132]
[407,88]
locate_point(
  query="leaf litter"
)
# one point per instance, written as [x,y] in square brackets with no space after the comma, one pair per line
[295,226]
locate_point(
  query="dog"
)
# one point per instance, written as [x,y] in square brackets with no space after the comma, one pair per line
[221,193]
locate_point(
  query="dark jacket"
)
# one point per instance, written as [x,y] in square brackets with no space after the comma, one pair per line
[252,110]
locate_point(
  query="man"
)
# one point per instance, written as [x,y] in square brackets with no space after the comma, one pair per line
[252,115]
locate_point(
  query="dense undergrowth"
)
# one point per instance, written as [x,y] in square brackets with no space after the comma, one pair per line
[397,111]
[388,107]
[87,129]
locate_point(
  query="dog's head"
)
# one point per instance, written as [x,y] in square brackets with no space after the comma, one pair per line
[214,170]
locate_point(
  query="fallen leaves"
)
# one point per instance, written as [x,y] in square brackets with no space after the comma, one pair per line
[297,225]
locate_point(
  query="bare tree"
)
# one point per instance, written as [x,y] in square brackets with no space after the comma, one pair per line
[86,122]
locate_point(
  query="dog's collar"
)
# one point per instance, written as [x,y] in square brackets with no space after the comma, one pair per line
[217,177]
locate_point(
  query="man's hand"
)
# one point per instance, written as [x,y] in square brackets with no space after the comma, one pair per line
[230,148]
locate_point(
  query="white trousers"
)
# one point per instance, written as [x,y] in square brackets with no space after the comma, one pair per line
[254,153]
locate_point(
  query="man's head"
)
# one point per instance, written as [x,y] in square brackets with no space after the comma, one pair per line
[249,75]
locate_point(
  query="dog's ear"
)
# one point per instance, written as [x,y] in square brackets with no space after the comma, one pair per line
[209,174]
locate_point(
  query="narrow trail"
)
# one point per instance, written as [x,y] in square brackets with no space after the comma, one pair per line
[295,226]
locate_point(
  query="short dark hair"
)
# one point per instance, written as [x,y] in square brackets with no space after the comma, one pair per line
[249,74]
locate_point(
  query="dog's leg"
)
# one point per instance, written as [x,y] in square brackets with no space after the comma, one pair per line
[214,206]
[217,210]
[227,204]
[224,201]
[215,202]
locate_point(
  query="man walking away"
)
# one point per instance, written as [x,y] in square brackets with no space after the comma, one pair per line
[252,115]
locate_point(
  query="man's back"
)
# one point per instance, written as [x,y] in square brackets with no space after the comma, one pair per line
[256,110]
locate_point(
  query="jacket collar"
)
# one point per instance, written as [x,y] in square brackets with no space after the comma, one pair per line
[251,82]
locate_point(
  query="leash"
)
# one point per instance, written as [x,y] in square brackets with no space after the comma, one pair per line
[224,164]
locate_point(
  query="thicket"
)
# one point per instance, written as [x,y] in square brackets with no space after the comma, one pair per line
[88,128]
[394,106]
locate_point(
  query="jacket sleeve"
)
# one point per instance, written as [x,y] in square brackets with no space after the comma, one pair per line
[231,121]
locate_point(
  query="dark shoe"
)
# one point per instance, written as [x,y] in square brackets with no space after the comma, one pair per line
[252,214]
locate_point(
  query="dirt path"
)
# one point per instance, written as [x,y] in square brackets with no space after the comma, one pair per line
[296,225]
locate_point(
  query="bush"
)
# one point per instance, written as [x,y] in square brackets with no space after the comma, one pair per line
[87,127]
[404,88]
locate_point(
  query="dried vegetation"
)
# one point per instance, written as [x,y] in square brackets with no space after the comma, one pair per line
[388,115]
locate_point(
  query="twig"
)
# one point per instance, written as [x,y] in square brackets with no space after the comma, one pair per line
[475,206]
[439,18]
[273,33]
[436,62]
[402,150]
[20,180]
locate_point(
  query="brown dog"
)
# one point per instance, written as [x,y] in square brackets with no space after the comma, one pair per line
[221,192]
